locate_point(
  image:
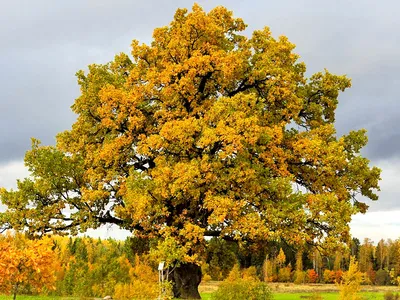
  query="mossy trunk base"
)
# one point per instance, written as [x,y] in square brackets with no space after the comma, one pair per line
[187,278]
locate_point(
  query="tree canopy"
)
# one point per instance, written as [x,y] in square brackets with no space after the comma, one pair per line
[203,132]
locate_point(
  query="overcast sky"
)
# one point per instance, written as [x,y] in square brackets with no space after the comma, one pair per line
[43,43]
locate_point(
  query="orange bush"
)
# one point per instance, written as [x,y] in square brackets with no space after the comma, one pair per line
[26,263]
[312,276]
[338,276]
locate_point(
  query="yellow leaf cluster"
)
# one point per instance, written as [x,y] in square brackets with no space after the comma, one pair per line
[26,262]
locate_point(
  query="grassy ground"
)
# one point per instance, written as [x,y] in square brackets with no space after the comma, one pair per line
[305,296]
[290,291]
[324,288]
[281,291]
[328,296]
[327,291]
[207,296]
[22,297]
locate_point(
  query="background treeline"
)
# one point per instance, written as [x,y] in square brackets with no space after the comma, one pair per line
[95,267]
[278,262]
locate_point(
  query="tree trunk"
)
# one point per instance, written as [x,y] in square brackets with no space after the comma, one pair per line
[15,291]
[186,279]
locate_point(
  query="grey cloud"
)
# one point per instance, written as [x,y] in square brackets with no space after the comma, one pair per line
[44,43]
[384,140]
[388,196]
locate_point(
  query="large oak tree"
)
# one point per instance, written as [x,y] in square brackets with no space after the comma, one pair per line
[204,132]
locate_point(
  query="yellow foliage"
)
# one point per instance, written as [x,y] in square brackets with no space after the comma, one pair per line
[137,289]
[250,274]
[143,282]
[281,258]
[235,274]
[206,278]
[351,282]
[26,262]
[269,270]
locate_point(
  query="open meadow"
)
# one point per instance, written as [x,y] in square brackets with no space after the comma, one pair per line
[208,296]
[289,291]
[280,291]
[304,296]
[24,297]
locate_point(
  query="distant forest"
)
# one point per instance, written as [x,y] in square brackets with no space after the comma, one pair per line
[94,267]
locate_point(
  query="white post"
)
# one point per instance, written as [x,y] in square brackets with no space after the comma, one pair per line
[161,278]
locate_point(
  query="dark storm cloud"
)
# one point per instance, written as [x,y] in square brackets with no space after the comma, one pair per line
[372,103]
[43,44]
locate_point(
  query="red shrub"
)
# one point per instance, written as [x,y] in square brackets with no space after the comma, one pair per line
[312,276]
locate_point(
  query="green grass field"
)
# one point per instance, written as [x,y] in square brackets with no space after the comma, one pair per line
[304,296]
[290,291]
[204,296]
[22,297]
[325,296]
[207,296]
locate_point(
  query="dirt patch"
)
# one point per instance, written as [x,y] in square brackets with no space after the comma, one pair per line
[212,286]
[209,286]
